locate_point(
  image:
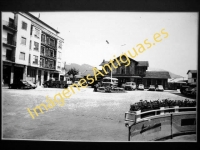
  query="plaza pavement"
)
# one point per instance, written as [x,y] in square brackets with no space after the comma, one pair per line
[86,115]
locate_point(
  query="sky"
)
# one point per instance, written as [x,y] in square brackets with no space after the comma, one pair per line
[85,34]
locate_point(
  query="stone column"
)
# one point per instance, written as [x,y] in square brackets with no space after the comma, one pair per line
[12,74]
[36,78]
[48,74]
[58,76]
[25,73]
[42,76]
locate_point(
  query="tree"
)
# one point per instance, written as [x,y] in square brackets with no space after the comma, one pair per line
[73,71]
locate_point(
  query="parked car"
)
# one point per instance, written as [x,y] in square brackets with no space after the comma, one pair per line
[140,87]
[152,88]
[160,88]
[20,85]
[130,86]
[32,84]
[77,82]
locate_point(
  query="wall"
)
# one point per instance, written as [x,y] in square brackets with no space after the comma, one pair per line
[22,33]
[5,17]
[33,39]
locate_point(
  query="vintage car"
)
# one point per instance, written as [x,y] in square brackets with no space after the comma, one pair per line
[160,88]
[130,86]
[152,88]
[32,84]
[20,85]
[140,87]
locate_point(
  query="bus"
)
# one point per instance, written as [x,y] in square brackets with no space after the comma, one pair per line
[109,80]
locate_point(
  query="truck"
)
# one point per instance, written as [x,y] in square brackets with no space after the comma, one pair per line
[189,89]
[57,84]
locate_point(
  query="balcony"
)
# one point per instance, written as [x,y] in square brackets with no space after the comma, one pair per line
[48,45]
[47,56]
[10,43]
[47,66]
[9,26]
[7,58]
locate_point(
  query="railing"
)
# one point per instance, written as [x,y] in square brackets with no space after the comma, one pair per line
[47,66]
[161,123]
[9,42]
[9,24]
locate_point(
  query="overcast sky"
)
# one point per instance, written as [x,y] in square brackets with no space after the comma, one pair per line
[85,35]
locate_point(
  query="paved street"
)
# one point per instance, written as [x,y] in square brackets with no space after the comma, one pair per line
[86,115]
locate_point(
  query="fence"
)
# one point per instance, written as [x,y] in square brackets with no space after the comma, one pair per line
[160,124]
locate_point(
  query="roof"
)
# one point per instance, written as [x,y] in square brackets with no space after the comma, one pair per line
[143,63]
[157,74]
[42,22]
[104,62]
[192,71]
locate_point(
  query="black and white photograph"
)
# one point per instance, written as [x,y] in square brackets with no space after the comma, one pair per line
[99,76]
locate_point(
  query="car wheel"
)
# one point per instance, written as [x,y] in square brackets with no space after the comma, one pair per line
[22,87]
[61,86]
[57,85]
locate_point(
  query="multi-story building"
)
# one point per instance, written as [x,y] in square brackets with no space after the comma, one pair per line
[31,49]
[192,76]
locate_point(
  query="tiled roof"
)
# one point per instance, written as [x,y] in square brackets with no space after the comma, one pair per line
[157,74]
[192,71]
[104,62]
[143,63]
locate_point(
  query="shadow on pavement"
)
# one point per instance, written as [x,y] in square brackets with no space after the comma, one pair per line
[186,96]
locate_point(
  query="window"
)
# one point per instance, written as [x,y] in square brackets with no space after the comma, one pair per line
[10,38]
[11,22]
[194,75]
[46,52]
[43,38]
[51,64]
[42,50]
[51,53]
[30,45]
[23,40]
[59,65]
[35,59]
[60,45]
[37,33]
[8,54]
[22,56]
[29,60]
[52,42]
[42,62]
[24,25]
[36,46]
[31,29]
[48,41]
[59,55]
[54,53]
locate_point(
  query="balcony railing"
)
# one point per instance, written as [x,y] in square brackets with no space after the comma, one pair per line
[9,25]
[8,58]
[9,42]
[47,66]
[46,55]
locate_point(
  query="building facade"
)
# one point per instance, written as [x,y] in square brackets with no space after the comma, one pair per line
[31,49]
[192,76]
[137,71]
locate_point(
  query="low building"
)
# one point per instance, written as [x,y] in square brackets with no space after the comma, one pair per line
[192,76]
[137,72]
